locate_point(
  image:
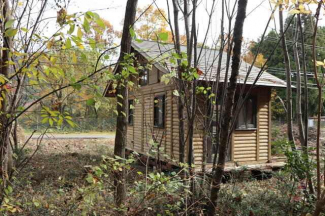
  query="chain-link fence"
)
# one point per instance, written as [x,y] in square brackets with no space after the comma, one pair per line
[83,124]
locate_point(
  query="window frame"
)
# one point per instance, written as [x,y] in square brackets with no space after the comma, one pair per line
[162,124]
[144,70]
[254,115]
[130,116]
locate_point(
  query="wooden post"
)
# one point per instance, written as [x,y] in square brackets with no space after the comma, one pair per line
[258,129]
[172,128]
[270,141]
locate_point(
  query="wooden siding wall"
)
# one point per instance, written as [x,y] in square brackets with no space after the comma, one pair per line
[264,124]
[248,146]
[252,146]
[143,130]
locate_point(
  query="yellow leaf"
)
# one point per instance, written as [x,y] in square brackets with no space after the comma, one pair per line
[74,58]
[294,11]
[79,33]
[53,59]
[81,46]
[301,7]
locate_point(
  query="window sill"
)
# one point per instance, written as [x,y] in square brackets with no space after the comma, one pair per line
[158,127]
[248,129]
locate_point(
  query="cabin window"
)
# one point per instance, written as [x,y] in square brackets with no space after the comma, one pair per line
[159,111]
[143,76]
[247,116]
[131,112]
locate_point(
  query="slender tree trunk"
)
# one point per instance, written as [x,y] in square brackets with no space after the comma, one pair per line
[229,105]
[193,84]
[222,43]
[288,76]
[320,101]
[298,99]
[122,102]
[305,144]
[180,103]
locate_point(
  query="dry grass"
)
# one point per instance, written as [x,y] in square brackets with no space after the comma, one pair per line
[57,170]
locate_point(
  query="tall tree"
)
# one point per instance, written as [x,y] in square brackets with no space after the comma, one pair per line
[122,100]
[152,22]
[229,106]
[288,79]
[5,156]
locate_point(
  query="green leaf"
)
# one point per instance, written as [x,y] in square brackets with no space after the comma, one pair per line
[83,57]
[132,32]
[90,102]
[11,32]
[79,33]
[92,43]
[71,123]
[51,122]
[71,30]
[3,79]
[90,179]
[44,120]
[9,23]
[138,40]
[36,204]
[132,69]
[68,43]
[163,36]
[24,29]
[89,14]
[100,22]
[60,121]
[76,86]
[86,25]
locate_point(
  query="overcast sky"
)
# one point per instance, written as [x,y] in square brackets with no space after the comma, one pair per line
[258,13]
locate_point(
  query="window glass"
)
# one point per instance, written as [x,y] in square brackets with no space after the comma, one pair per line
[159,111]
[131,112]
[247,115]
[143,76]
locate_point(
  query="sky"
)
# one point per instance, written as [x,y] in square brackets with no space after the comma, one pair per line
[258,13]
[113,11]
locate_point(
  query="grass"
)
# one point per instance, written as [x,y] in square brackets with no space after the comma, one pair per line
[51,184]
[55,173]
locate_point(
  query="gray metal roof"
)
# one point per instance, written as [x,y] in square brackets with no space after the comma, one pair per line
[159,54]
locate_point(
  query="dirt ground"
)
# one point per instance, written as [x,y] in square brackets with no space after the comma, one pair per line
[279,131]
[57,158]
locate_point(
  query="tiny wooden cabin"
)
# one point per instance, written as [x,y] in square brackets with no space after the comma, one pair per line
[153,112]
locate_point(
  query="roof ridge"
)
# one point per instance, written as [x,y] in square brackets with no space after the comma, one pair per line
[152,41]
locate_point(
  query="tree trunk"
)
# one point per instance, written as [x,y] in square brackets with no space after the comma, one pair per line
[298,99]
[305,144]
[180,104]
[320,102]
[216,89]
[5,151]
[320,205]
[229,105]
[288,76]
[122,102]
